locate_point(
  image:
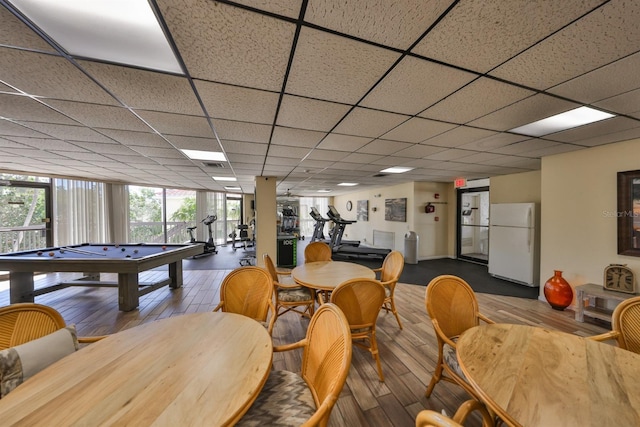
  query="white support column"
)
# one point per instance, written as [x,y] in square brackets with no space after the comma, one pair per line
[266,218]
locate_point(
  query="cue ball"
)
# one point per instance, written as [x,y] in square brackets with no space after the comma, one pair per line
[135,251]
[39,253]
[105,248]
[52,253]
[122,249]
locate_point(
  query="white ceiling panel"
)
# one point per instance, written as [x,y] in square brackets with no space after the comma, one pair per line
[325,91]
[414,85]
[226,44]
[481,34]
[603,36]
[333,68]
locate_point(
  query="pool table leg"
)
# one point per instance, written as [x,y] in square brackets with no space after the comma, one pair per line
[128,295]
[20,287]
[175,274]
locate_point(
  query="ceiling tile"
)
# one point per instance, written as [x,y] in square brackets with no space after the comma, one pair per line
[238,103]
[177,124]
[417,129]
[383,147]
[603,127]
[475,100]
[415,84]
[459,136]
[49,76]
[303,113]
[290,8]
[605,35]
[18,107]
[68,133]
[100,116]
[419,151]
[244,147]
[376,22]
[296,137]
[626,103]
[242,131]
[226,44]
[366,122]
[339,142]
[453,154]
[524,146]
[48,144]
[494,140]
[481,34]
[326,66]
[14,33]
[286,151]
[524,112]
[599,84]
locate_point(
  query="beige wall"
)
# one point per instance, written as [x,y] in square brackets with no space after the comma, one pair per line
[433,235]
[579,227]
[517,188]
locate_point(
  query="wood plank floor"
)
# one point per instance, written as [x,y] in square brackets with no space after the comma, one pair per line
[408,356]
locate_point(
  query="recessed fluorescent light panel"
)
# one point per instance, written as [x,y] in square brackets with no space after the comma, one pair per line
[204,155]
[324,191]
[121,31]
[348,184]
[232,188]
[563,121]
[224,178]
[396,169]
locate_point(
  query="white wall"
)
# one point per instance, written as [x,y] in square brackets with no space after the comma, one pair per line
[579,233]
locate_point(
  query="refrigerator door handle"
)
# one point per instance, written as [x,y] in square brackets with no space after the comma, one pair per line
[529,217]
[529,238]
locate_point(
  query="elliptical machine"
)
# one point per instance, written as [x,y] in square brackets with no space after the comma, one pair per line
[209,245]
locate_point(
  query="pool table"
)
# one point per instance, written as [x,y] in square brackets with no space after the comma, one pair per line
[127,260]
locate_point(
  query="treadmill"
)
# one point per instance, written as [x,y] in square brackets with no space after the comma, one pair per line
[340,248]
[318,229]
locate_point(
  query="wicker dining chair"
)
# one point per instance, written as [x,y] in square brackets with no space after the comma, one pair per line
[625,325]
[317,251]
[24,322]
[453,308]
[306,399]
[289,296]
[430,418]
[360,300]
[390,272]
[248,291]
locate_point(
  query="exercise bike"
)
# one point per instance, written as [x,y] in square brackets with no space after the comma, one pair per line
[209,246]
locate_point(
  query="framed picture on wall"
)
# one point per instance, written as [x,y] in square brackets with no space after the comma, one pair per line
[363,210]
[628,213]
[395,209]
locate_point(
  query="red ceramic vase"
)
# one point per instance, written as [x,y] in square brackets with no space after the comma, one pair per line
[558,291]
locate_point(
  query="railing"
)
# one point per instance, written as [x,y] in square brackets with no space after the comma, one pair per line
[153,232]
[14,240]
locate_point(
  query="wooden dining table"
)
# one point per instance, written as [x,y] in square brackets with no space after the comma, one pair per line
[532,377]
[192,369]
[326,275]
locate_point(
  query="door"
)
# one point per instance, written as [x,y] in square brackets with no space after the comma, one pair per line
[25,216]
[473,224]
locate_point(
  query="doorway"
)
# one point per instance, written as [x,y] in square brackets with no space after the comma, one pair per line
[473,224]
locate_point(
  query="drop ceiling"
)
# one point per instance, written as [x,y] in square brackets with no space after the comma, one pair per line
[319,92]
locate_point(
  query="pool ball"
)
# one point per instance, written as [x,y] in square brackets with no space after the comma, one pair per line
[39,253]
[127,256]
[135,251]
[105,248]
[117,245]
[164,247]
[61,251]
[52,253]
[122,249]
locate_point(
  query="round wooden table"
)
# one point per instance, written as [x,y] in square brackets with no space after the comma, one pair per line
[326,275]
[537,377]
[193,369]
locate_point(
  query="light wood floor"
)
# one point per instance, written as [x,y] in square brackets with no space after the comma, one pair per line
[408,356]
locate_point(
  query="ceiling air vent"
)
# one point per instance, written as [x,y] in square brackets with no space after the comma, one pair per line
[213,164]
[378,175]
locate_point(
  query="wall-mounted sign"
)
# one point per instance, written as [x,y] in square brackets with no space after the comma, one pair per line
[460,182]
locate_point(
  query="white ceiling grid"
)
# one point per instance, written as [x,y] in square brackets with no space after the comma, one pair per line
[319,92]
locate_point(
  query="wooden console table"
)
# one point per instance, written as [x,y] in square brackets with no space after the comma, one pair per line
[586,299]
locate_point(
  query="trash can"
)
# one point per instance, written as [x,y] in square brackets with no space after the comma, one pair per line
[411,248]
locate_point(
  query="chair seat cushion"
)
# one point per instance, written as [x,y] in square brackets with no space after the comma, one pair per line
[19,363]
[294,295]
[451,359]
[285,400]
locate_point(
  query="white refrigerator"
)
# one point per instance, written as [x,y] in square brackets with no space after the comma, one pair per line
[513,249]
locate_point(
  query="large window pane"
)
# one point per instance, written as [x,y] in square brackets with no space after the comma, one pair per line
[79,212]
[145,215]
[181,213]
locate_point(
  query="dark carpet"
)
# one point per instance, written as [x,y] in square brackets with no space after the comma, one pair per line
[476,275]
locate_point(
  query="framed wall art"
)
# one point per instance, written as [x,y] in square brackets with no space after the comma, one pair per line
[395,209]
[362,210]
[628,213]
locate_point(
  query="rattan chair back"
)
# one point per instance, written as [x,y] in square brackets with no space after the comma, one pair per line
[626,321]
[24,322]
[326,358]
[452,303]
[248,291]
[392,267]
[430,418]
[361,300]
[317,251]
